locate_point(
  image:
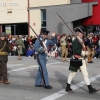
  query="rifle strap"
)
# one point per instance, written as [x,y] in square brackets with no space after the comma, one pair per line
[3,46]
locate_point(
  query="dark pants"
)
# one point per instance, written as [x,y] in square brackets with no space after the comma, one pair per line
[3,70]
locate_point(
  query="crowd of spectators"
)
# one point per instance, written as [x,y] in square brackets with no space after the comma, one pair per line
[29,42]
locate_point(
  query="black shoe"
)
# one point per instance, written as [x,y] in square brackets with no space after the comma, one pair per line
[39,85]
[68,89]
[94,91]
[48,87]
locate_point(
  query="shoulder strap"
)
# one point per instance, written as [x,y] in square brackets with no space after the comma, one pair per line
[3,46]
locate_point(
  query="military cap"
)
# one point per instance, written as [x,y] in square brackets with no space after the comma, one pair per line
[80,29]
[45,32]
[63,35]
[20,36]
[3,34]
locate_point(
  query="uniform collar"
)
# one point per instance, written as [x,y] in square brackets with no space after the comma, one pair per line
[41,38]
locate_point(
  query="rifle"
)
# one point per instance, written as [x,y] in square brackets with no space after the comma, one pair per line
[42,43]
[82,44]
[37,36]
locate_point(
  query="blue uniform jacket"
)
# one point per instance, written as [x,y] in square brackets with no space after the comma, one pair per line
[38,47]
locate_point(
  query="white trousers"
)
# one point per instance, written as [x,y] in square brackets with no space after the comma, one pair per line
[83,69]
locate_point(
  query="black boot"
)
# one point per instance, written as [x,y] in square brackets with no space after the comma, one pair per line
[68,89]
[92,90]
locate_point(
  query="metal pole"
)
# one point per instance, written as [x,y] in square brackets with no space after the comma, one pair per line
[14,29]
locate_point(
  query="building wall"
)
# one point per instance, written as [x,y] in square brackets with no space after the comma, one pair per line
[35,21]
[69,13]
[95,18]
[75,1]
[19,11]
[35,15]
[38,3]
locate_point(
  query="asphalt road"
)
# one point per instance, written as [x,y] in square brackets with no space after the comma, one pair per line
[22,74]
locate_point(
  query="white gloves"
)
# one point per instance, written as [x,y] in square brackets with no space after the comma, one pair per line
[85,53]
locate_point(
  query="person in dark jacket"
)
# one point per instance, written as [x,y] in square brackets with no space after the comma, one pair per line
[4,50]
[79,53]
[90,48]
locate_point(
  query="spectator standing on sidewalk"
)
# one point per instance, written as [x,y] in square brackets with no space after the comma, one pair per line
[20,47]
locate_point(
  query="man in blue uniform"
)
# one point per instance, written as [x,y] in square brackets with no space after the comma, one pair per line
[77,50]
[42,76]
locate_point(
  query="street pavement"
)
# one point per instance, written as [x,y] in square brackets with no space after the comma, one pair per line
[22,74]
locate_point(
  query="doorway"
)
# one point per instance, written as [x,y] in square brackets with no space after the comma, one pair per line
[15,29]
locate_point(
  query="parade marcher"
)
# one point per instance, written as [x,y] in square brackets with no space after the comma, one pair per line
[78,50]
[4,50]
[42,76]
[20,47]
[64,51]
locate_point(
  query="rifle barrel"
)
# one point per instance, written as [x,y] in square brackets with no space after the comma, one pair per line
[37,36]
[70,30]
[33,30]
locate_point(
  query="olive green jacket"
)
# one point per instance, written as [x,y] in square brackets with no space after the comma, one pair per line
[6,48]
[77,49]
[20,45]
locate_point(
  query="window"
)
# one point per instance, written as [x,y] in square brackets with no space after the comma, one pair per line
[43,18]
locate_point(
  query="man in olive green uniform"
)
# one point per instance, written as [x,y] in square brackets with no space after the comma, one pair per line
[20,47]
[77,50]
[4,49]
[64,51]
